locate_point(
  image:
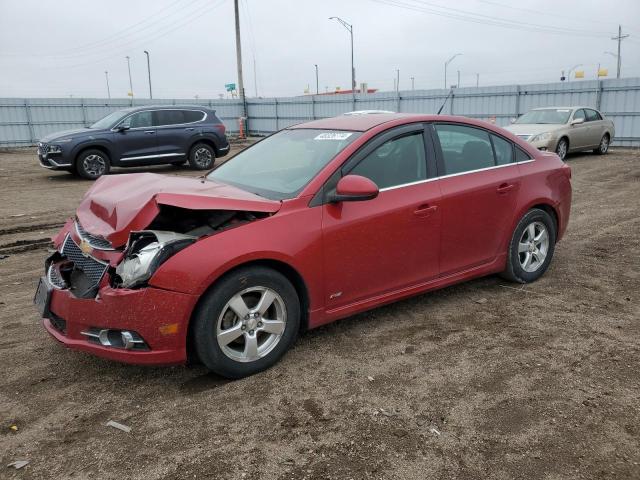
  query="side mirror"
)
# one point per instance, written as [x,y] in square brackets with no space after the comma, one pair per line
[577,121]
[354,188]
[122,128]
[513,119]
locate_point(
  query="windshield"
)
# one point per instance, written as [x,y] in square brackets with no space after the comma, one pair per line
[279,166]
[550,115]
[109,120]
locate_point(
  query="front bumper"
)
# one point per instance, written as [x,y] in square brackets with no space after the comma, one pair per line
[546,145]
[54,161]
[160,317]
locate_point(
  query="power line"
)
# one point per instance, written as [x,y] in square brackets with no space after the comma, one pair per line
[467,16]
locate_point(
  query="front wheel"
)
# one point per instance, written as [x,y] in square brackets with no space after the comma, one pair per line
[603,148]
[202,156]
[92,164]
[531,247]
[563,148]
[246,322]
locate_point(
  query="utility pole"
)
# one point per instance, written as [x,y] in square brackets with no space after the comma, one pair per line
[255,76]
[317,87]
[239,55]
[349,28]
[130,84]
[412,83]
[149,72]
[397,80]
[619,38]
[106,74]
[446,64]
[477,80]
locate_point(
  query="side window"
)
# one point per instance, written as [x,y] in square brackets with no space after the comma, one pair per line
[396,162]
[592,115]
[192,116]
[579,114]
[169,117]
[464,148]
[138,120]
[503,150]
[521,156]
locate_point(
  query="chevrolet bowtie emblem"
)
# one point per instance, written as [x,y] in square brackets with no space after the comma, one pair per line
[85,247]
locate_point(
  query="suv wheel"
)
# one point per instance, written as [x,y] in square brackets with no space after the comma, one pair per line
[92,164]
[202,156]
[246,322]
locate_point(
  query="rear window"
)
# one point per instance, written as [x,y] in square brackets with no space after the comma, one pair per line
[521,156]
[169,117]
[592,115]
[191,116]
[464,148]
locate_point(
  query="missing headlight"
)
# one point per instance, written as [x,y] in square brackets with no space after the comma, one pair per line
[146,251]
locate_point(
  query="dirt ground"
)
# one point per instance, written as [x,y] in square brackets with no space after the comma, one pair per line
[484,380]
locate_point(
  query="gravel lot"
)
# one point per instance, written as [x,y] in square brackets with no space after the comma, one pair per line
[484,380]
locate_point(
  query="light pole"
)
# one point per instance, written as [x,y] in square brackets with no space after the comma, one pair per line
[106,75]
[130,84]
[458,84]
[412,83]
[349,27]
[571,70]
[446,64]
[317,88]
[398,81]
[149,72]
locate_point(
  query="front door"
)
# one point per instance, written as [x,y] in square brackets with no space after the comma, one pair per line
[479,184]
[382,245]
[138,142]
[579,134]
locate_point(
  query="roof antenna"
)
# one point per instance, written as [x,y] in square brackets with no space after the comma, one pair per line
[445,101]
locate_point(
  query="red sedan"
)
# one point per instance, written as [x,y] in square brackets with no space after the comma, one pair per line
[314,223]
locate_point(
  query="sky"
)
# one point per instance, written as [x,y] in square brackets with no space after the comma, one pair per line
[62,48]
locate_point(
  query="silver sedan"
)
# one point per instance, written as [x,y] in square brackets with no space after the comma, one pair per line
[565,129]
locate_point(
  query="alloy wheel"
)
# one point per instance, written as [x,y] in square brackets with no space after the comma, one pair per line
[94,165]
[604,144]
[251,324]
[203,157]
[533,246]
[562,149]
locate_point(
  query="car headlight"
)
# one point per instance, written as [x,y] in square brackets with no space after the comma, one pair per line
[146,251]
[541,137]
[54,149]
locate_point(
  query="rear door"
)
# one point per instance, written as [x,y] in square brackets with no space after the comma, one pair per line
[479,181]
[596,127]
[382,245]
[137,144]
[176,128]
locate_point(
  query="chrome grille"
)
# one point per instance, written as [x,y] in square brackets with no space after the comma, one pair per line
[55,279]
[43,148]
[93,240]
[91,267]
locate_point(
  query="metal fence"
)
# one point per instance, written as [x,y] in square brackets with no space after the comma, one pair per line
[24,121]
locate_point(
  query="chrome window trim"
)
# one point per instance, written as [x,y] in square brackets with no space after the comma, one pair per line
[455,175]
[206,115]
[161,155]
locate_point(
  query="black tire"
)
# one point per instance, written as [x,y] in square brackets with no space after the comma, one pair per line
[603,148]
[514,270]
[562,148]
[92,168]
[202,156]
[210,313]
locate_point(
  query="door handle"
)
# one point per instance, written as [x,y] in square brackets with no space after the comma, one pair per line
[190,129]
[425,210]
[505,188]
[149,131]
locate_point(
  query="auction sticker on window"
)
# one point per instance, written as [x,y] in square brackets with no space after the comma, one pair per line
[333,136]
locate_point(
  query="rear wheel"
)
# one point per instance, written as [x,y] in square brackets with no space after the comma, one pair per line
[92,164]
[246,322]
[563,148]
[603,148]
[531,247]
[202,156]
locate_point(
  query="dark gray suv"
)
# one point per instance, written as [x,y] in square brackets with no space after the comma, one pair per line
[148,135]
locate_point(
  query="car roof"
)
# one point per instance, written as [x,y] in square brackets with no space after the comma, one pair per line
[360,122]
[166,107]
[577,107]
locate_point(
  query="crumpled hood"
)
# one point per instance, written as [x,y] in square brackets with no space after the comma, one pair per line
[118,204]
[52,137]
[533,128]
